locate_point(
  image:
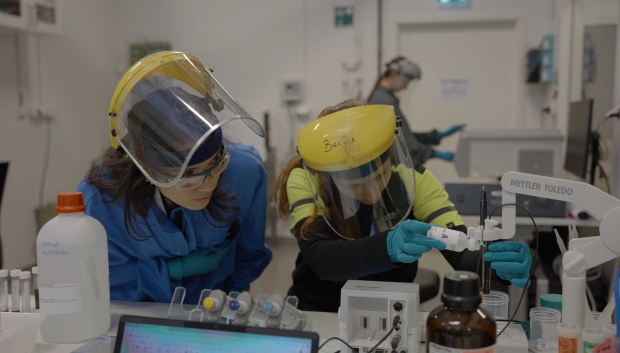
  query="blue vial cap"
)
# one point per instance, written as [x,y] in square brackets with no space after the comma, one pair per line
[268,306]
[234,305]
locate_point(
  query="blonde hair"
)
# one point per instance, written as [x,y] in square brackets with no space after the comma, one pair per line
[278,191]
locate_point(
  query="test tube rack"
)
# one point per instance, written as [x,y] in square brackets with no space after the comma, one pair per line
[239,308]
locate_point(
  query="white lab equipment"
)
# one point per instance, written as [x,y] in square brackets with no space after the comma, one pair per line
[491,153]
[283,313]
[15,290]
[273,308]
[242,307]
[19,331]
[216,303]
[74,288]
[454,240]
[4,290]
[366,312]
[24,288]
[583,253]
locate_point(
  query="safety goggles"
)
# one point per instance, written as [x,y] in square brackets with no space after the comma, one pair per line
[165,108]
[192,181]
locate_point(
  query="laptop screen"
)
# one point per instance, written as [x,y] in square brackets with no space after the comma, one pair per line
[148,338]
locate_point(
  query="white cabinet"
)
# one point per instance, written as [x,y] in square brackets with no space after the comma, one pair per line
[38,16]
[45,16]
[13,14]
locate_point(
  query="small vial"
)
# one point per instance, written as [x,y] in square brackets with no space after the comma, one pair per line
[35,279]
[15,290]
[25,290]
[4,290]
[568,338]
[592,337]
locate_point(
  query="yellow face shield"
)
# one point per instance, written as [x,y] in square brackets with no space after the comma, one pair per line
[359,170]
[167,112]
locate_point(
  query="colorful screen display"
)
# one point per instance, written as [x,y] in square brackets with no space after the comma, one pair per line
[146,338]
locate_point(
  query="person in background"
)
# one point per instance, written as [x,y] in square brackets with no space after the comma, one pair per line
[182,207]
[399,74]
[361,208]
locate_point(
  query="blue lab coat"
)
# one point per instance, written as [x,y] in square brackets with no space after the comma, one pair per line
[139,269]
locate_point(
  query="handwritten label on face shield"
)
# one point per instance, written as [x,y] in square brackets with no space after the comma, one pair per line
[331,145]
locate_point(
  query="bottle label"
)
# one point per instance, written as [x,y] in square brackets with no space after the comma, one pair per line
[87,268]
[448,237]
[435,348]
[60,298]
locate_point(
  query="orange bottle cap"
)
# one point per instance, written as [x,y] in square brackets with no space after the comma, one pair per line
[70,202]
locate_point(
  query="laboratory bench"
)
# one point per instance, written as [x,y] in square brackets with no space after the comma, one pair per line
[325,324]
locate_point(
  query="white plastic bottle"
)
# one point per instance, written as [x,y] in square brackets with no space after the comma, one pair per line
[74,286]
[454,240]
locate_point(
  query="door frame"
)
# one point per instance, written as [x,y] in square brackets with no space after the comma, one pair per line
[396,24]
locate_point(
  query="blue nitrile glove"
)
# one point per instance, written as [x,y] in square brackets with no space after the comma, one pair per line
[446,156]
[511,261]
[450,131]
[408,242]
[197,262]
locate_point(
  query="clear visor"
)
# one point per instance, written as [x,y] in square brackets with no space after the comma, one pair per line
[368,199]
[170,112]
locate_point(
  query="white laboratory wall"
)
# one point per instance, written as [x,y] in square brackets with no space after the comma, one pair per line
[78,76]
[251,45]
[587,13]
[537,15]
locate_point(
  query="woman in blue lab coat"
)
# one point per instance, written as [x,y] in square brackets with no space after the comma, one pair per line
[182,207]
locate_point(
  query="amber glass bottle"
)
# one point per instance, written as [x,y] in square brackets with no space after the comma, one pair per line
[460,325]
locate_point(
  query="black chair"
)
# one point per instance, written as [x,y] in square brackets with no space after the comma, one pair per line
[429,284]
[4,169]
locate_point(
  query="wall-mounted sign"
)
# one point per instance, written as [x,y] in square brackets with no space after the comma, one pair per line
[344,16]
[454,4]
[443,2]
[454,89]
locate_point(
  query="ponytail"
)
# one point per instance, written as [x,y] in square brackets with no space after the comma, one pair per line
[386,74]
[279,195]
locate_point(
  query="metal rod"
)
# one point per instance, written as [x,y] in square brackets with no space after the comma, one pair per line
[486,271]
[486,267]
